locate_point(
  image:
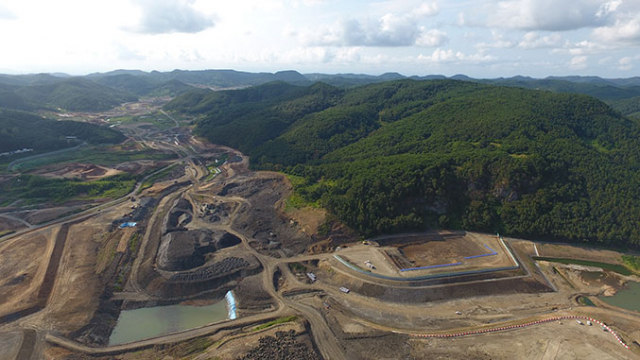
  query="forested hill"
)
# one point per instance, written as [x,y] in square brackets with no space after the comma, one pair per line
[74,94]
[407,155]
[20,130]
[100,91]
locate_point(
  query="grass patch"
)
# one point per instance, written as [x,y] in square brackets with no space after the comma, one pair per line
[157,119]
[157,177]
[295,201]
[632,262]
[96,155]
[583,300]
[275,322]
[119,283]
[107,252]
[37,189]
[6,232]
[601,149]
[213,167]
[620,269]
[133,243]
[191,347]
[304,194]
[219,161]
[6,160]
[297,267]
[555,270]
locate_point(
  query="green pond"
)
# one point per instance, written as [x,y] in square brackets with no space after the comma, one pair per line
[134,325]
[627,298]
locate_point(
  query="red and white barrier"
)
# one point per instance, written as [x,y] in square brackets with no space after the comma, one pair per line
[524,325]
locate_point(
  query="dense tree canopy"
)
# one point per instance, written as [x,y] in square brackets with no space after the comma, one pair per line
[409,154]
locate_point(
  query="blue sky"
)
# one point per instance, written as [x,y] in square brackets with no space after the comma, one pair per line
[482,39]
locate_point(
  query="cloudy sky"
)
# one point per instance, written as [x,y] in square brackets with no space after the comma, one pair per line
[478,38]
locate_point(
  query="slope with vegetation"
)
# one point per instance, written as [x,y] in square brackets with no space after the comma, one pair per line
[212,78]
[406,155]
[35,189]
[629,107]
[24,130]
[143,85]
[74,94]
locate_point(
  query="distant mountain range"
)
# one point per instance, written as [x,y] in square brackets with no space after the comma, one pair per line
[63,91]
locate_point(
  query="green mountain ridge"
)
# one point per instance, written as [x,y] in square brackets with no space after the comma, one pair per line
[406,155]
[156,83]
[75,94]
[143,85]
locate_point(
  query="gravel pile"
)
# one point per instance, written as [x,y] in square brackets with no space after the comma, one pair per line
[282,347]
[218,269]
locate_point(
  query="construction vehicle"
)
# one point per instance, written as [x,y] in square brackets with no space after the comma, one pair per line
[311,276]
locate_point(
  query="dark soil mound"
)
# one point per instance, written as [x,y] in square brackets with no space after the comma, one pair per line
[283,346]
[183,250]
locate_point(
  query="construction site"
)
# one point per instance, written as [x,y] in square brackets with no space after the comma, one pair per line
[221,234]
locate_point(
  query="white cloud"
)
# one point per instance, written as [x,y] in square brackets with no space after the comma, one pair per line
[324,36]
[583,47]
[171,16]
[608,7]
[461,21]
[389,30]
[307,55]
[578,63]
[605,60]
[586,47]
[440,55]
[296,3]
[426,9]
[301,56]
[126,54]
[432,38]
[550,15]
[449,56]
[499,42]
[191,55]
[533,40]
[625,30]
[411,8]
[625,63]
[6,13]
